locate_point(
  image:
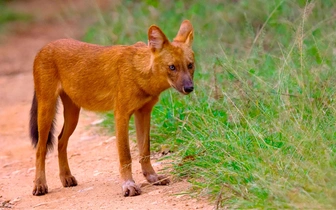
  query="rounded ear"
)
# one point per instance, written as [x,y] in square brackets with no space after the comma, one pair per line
[186,33]
[156,39]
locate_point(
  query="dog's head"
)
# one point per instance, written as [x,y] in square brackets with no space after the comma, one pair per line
[175,60]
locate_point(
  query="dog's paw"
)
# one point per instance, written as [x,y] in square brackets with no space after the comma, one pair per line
[40,189]
[158,179]
[130,189]
[68,181]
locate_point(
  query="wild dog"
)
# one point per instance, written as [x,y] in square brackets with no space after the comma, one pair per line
[125,79]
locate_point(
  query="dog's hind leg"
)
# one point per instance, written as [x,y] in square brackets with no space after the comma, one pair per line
[71,114]
[46,108]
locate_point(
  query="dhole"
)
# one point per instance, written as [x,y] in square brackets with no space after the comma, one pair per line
[125,79]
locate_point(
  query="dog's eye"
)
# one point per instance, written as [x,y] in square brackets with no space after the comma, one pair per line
[190,66]
[172,67]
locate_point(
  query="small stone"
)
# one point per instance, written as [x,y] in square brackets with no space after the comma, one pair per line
[179,196]
[75,154]
[113,138]
[96,173]
[30,170]
[14,201]
[97,122]
[15,172]
[85,189]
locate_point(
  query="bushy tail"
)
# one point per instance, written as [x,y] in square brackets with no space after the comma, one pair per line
[34,127]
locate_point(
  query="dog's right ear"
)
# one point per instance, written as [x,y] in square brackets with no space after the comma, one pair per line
[156,39]
[185,33]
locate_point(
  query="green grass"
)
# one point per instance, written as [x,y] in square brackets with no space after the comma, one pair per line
[260,129]
[8,15]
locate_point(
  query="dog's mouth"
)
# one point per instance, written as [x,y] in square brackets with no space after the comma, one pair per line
[181,90]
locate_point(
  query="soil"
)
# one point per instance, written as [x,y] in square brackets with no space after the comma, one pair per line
[92,154]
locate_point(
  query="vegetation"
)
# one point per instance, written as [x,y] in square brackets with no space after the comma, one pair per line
[259,130]
[9,15]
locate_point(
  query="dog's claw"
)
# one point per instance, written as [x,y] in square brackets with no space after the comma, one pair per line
[130,189]
[163,180]
[68,181]
[158,179]
[40,189]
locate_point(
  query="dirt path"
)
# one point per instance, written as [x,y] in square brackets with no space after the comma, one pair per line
[92,153]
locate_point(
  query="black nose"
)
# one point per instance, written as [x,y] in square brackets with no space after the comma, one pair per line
[188,89]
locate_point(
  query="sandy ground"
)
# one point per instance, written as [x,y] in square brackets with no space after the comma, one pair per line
[92,153]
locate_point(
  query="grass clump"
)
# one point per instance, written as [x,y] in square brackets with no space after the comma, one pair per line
[259,130]
[8,15]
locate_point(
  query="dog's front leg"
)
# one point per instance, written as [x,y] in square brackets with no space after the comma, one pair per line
[142,122]
[125,160]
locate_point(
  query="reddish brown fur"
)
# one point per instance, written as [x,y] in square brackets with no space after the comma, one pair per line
[125,79]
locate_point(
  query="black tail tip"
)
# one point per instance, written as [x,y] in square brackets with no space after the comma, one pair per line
[33,125]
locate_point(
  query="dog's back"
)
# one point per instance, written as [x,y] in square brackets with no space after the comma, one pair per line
[90,74]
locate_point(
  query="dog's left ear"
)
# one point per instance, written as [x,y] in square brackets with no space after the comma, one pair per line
[156,39]
[185,34]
